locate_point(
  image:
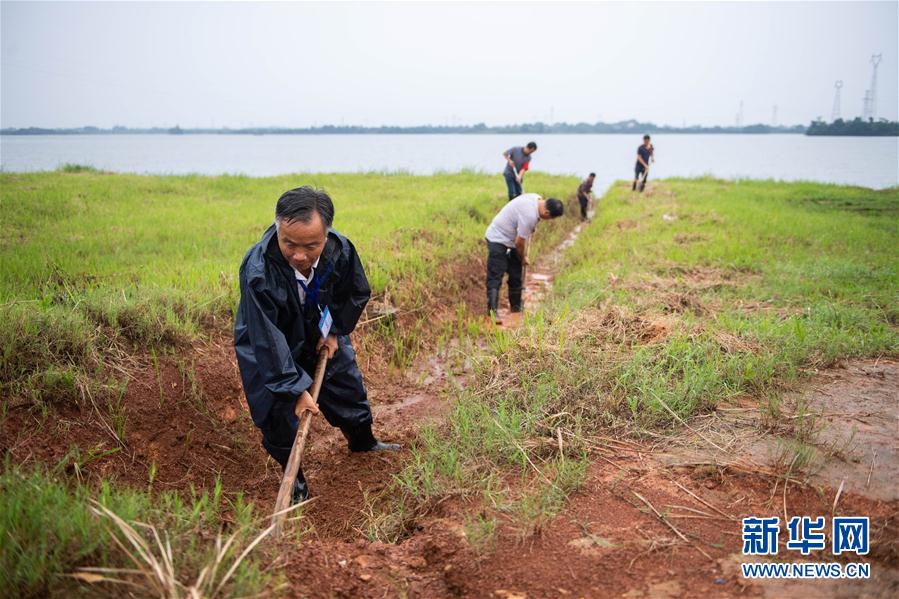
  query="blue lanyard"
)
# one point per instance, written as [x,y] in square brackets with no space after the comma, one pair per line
[312,295]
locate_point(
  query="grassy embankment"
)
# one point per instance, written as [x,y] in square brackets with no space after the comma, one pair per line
[92,262]
[97,268]
[668,305]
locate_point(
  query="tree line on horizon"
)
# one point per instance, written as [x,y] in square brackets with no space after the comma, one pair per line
[628,127]
[856,126]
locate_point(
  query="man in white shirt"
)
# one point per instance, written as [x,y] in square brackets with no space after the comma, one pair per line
[507,237]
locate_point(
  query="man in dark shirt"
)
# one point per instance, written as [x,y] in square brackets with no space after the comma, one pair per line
[645,155]
[297,276]
[583,194]
[518,160]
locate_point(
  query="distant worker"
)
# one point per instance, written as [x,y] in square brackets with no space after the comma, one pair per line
[518,160]
[507,237]
[583,194]
[645,155]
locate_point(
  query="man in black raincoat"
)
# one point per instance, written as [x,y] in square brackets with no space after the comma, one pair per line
[299,271]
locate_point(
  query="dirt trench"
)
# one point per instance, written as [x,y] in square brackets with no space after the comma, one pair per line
[400,406]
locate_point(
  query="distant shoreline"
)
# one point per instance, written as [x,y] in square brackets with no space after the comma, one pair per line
[622,128]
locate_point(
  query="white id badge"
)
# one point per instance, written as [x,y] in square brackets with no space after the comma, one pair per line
[324,325]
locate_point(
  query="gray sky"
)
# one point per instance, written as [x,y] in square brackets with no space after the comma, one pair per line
[241,64]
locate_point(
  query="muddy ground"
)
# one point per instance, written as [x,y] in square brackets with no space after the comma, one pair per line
[608,542]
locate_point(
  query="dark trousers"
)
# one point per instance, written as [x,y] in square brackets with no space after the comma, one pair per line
[513,185]
[501,261]
[583,201]
[342,400]
[640,170]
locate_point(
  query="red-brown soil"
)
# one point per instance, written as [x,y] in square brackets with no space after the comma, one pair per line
[606,543]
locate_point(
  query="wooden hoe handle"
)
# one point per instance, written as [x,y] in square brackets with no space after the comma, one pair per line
[296,452]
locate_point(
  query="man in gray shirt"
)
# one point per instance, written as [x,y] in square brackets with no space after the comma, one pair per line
[518,160]
[507,237]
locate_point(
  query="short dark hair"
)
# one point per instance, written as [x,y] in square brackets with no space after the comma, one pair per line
[556,207]
[300,203]
[646,136]
[592,175]
[532,145]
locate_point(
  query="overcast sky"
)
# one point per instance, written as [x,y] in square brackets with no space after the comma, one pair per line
[257,64]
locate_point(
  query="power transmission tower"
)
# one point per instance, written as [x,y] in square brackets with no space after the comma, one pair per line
[835,114]
[739,119]
[875,60]
[774,116]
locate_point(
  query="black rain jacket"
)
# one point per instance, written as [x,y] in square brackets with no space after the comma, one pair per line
[274,334]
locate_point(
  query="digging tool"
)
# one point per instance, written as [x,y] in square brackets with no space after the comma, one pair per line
[524,264]
[515,170]
[296,452]
[642,185]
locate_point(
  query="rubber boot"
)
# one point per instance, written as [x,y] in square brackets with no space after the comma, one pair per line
[492,304]
[360,438]
[300,492]
[515,303]
[634,186]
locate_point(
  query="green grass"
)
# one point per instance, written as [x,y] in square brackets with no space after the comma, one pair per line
[49,531]
[669,304]
[756,281]
[91,261]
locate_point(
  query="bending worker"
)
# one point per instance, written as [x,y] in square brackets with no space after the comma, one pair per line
[507,237]
[518,160]
[297,276]
[583,194]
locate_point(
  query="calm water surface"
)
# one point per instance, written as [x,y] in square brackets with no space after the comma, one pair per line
[867,161]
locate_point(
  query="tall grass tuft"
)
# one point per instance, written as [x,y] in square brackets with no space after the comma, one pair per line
[57,536]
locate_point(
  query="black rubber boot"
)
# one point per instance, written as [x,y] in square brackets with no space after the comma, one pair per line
[492,304]
[300,491]
[360,438]
[634,186]
[515,304]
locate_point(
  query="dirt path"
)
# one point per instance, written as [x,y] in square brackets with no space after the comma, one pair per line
[540,277]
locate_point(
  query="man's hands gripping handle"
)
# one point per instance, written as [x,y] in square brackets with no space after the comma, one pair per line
[326,348]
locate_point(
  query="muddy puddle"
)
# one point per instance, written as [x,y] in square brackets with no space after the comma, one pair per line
[841,429]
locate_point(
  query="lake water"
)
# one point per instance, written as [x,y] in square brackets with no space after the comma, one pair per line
[867,161]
